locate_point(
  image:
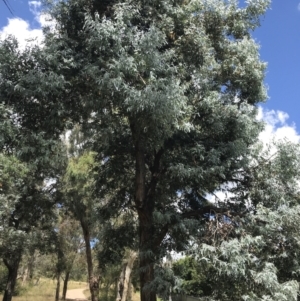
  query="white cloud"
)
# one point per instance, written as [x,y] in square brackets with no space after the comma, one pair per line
[298,6]
[42,18]
[23,32]
[45,20]
[276,127]
[34,6]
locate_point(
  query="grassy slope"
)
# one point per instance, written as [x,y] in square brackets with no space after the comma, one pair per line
[44,291]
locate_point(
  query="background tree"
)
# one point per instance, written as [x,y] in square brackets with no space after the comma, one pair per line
[78,188]
[193,276]
[27,161]
[72,243]
[250,256]
[68,242]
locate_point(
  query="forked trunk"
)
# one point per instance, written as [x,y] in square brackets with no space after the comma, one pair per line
[93,280]
[65,287]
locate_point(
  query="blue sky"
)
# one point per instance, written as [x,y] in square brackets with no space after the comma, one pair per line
[278,36]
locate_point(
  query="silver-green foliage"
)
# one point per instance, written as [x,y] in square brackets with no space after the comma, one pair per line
[259,259]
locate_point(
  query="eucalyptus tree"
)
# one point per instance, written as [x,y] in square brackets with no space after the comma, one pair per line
[78,188]
[67,243]
[27,160]
[124,282]
[255,256]
[13,173]
[168,92]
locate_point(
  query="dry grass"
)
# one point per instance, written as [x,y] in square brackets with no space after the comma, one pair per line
[136,296]
[44,291]
[87,293]
[77,284]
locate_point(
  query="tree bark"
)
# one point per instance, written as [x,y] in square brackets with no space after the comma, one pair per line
[93,280]
[149,237]
[24,276]
[124,279]
[31,264]
[11,278]
[57,287]
[147,260]
[65,287]
[130,289]
[128,270]
[144,202]
[120,283]
[28,272]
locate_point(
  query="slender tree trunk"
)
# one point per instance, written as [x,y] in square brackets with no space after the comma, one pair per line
[31,264]
[24,276]
[93,280]
[120,283]
[57,287]
[11,278]
[65,287]
[128,270]
[130,288]
[107,288]
[28,271]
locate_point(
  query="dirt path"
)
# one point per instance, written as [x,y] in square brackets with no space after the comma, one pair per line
[76,295]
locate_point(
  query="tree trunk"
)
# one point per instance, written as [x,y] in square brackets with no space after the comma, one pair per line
[93,280]
[28,271]
[57,287]
[149,238]
[11,278]
[124,280]
[107,289]
[146,264]
[65,287]
[130,289]
[31,264]
[144,203]
[120,283]
[24,276]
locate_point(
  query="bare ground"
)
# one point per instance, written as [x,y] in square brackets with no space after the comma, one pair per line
[76,295]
